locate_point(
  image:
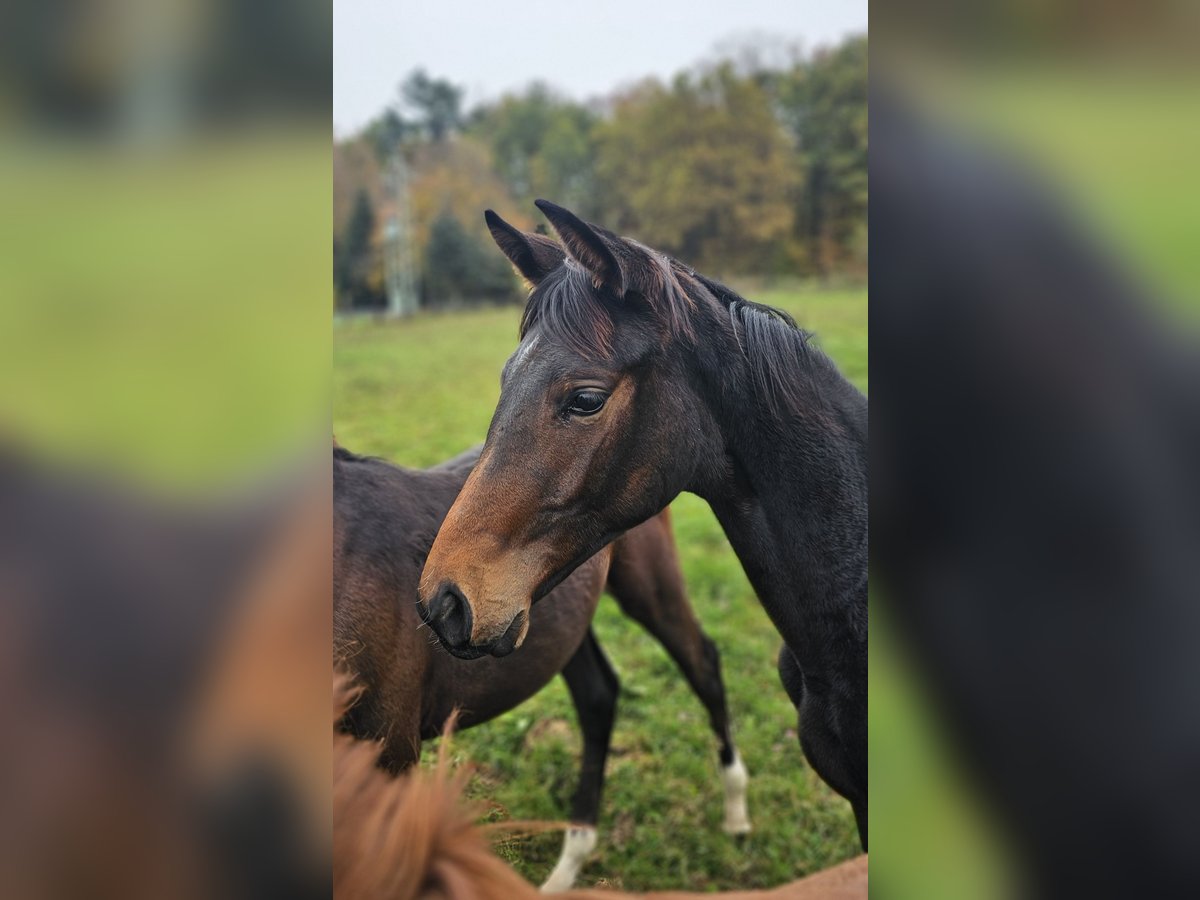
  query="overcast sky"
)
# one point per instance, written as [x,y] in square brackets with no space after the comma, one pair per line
[584,49]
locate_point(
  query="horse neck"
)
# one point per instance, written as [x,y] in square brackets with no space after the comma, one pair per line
[791,496]
[398,509]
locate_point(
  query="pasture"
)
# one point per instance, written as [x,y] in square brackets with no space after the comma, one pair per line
[419,391]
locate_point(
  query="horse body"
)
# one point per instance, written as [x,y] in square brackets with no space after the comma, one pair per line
[637,379]
[385,519]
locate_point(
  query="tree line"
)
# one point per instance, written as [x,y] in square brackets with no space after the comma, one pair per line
[736,167]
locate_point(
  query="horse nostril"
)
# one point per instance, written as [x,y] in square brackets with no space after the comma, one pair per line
[507,642]
[450,617]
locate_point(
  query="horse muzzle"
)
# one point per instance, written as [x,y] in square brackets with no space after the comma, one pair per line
[451,618]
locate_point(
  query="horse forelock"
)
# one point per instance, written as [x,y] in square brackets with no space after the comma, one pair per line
[686,308]
[571,309]
[565,309]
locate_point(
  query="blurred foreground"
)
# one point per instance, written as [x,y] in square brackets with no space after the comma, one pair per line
[164,356]
[1035,496]
[161,667]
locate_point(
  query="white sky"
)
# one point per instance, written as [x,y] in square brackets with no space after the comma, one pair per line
[583,49]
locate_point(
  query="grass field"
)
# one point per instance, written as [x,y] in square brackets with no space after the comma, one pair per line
[419,391]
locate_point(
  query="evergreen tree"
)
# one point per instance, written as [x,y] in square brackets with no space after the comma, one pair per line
[460,268]
[438,104]
[353,254]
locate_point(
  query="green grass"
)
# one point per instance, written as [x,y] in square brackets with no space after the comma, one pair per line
[421,390]
[165,316]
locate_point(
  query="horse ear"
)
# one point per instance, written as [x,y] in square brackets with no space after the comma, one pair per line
[533,255]
[585,245]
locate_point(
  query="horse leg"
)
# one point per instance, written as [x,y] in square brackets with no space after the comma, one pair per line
[594,688]
[646,580]
[833,735]
[390,714]
[399,755]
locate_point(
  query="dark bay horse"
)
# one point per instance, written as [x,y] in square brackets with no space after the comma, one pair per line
[385,519]
[635,379]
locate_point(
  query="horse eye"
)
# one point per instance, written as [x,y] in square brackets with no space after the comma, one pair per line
[586,403]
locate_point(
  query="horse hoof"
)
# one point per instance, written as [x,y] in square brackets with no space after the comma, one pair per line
[737,828]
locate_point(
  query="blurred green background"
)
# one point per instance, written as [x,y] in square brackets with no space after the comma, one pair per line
[164,255]
[165,315]
[1112,133]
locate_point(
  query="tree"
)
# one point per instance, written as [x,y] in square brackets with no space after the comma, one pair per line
[458,177]
[459,268]
[387,132]
[355,257]
[754,164]
[564,166]
[701,169]
[823,102]
[437,102]
[361,227]
[542,146]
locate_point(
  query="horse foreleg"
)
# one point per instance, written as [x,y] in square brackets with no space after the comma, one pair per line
[833,735]
[646,580]
[391,716]
[594,687]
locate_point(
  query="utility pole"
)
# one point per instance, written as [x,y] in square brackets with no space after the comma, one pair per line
[398,241]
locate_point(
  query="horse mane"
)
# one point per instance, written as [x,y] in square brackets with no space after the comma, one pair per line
[780,354]
[413,838]
[341,453]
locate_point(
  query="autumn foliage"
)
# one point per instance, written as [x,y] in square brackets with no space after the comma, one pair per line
[736,167]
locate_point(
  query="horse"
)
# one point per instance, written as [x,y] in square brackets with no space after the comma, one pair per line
[156,654]
[635,379]
[412,837]
[385,519]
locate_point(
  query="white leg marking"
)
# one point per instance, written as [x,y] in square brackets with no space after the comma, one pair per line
[735,778]
[578,844]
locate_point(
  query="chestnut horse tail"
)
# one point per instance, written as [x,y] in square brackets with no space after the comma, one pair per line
[409,837]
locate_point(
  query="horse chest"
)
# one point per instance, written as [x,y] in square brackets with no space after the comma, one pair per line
[487,687]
